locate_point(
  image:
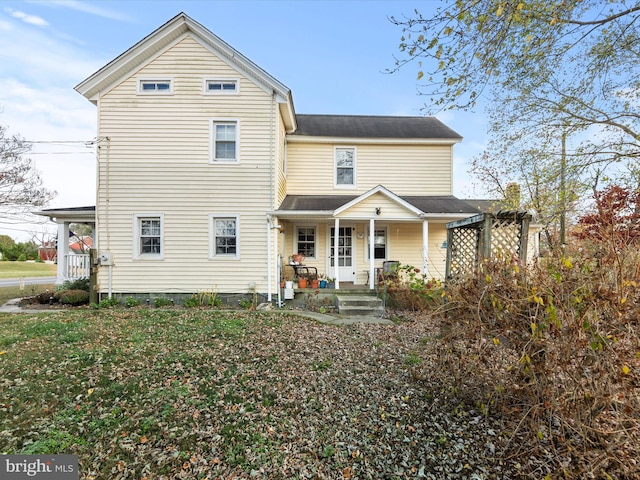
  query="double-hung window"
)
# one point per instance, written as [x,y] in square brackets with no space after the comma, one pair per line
[149,236]
[306,241]
[345,165]
[379,244]
[224,141]
[225,236]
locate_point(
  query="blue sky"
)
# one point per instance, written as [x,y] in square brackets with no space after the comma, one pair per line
[331,54]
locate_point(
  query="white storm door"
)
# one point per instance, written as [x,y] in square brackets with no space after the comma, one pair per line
[342,254]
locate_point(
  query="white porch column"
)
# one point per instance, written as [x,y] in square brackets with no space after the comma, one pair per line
[336,249]
[372,269]
[425,247]
[63,251]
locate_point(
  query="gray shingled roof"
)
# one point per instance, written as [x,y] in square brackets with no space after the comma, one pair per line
[362,126]
[428,204]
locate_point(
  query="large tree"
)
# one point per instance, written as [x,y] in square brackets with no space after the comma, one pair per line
[21,186]
[561,79]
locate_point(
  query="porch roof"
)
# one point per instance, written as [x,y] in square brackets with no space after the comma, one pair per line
[70,214]
[327,204]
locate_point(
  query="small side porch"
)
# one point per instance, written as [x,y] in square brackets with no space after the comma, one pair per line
[71,265]
[349,239]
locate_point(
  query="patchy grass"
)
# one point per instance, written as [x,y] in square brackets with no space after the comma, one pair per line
[7,293]
[162,393]
[26,269]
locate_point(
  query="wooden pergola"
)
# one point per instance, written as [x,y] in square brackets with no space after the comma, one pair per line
[499,235]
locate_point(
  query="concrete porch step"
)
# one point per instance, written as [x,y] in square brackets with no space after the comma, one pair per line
[355,305]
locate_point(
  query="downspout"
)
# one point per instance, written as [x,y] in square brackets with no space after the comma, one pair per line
[106,197]
[269,258]
[272,161]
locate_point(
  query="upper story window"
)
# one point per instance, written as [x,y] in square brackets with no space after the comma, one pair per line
[224,141]
[345,162]
[155,86]
[148,238]
[220,86]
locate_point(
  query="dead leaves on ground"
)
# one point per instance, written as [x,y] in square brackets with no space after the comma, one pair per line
[184,394]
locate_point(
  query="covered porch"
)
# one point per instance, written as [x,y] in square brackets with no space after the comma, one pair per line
[71,265]
[349,239]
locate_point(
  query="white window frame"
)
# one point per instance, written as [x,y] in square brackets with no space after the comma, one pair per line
[386,244]
[159,79]
[213,255]
[137,244]
[315,240]
[212,140]
[235,81]
[335,167]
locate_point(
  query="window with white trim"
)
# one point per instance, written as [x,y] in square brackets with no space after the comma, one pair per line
[306,241]
[345,161]
[379,244]
[219,86]
[155,86]
[148,236]
[224,141]
[225,236]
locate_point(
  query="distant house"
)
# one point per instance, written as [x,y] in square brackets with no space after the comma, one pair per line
[81,245]
[48,251]
[209,179]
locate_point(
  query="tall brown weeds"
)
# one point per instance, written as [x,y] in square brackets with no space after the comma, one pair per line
[553,351]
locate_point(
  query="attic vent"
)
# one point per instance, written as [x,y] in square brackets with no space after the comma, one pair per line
[221,86]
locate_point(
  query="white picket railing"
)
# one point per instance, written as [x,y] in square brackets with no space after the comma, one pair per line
[78,266]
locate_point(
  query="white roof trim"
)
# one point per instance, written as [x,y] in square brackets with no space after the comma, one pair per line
[160,39]
[387,193]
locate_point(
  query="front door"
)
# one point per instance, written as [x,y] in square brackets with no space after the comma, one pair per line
[342,254]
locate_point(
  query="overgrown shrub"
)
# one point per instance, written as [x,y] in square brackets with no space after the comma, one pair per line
[407,289]
[73,297]
[554,352]
[78,284]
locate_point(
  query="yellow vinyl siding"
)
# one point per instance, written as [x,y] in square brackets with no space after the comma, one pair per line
[388,209]
[403,169]
[155,150]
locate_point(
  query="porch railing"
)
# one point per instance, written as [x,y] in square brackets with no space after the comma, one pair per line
[77,266]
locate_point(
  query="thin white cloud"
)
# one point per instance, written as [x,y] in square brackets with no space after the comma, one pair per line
[27,18]
[5,26]
[85,7]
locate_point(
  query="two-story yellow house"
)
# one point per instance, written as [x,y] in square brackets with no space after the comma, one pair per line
[208,179]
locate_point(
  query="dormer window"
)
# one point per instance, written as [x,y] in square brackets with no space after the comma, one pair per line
[221,86]
[155,86]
